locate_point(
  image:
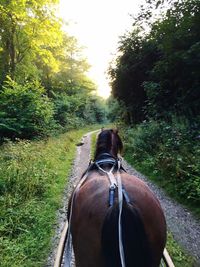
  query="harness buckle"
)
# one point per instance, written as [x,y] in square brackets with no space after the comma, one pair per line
[112,194]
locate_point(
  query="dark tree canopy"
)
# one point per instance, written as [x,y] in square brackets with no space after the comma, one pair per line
[157,72]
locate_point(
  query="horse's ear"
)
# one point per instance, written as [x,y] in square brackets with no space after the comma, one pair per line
[115,131]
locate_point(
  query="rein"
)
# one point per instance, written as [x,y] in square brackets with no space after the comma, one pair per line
[68,254]
[115,183]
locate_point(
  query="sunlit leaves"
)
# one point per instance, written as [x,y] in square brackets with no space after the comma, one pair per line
[36,53]
[27,27]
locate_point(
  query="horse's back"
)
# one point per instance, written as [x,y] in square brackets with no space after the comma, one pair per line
[90,209]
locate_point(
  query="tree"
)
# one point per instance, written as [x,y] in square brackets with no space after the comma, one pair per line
[157,71]
[28,29]
[36,53]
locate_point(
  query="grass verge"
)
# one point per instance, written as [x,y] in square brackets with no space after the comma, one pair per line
[32,179]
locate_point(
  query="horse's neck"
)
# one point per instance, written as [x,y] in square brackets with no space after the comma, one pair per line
[105,154]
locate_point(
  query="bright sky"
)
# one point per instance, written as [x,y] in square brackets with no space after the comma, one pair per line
[97,25]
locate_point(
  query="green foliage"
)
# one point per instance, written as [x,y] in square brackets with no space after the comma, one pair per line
[48,89]
[29,30]
[156,73]
[156,76]
[116,111]
[95,110]
[170,151]
[75,110]
[32,179]
[179,256]
[25,110]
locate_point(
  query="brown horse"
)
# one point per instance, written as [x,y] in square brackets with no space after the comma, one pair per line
[101,236]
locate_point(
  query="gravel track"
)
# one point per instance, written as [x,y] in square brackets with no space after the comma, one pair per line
[184,227]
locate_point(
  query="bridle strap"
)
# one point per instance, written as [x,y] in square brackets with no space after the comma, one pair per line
[109,173]
[120,202]
[68,253]
[113,184]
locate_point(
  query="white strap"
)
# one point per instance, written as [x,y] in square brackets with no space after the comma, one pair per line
[68,250]
[120,200]
[109,174]
[112,179]
[118,184]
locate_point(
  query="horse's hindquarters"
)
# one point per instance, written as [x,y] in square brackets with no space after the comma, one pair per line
[143,225]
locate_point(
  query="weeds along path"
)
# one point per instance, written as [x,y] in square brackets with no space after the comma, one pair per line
[80,164]
[180,222]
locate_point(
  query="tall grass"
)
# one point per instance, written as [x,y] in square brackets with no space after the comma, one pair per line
[32,178]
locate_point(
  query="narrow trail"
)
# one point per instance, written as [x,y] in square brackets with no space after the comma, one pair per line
[184,227]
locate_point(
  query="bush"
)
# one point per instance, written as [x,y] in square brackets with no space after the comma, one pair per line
[171,149]
[73,111]
[25,110]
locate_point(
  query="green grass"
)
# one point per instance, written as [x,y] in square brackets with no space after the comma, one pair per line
[93,144]
[32,179]
[169,154]
[179,257]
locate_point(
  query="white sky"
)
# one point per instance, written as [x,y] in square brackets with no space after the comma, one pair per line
[97,26]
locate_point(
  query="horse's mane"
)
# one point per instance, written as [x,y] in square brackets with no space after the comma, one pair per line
[108,141]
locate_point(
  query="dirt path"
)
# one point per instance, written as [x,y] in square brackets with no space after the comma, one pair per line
[184,227]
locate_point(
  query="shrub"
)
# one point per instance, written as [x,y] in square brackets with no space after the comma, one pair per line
[25,110]
[171,149]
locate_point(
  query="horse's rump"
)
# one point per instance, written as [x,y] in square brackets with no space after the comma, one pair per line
[143,227]
[96,224]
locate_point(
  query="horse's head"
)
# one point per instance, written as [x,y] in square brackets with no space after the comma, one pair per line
[108,141]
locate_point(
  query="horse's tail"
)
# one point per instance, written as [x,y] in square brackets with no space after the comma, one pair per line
[137,251]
